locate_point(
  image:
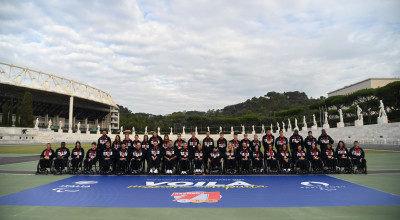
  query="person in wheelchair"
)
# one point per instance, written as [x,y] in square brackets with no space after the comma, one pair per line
[314,156]
[77,155]
[137,156]
[257,159]
[329,158]
[271,158]
[122,156]
[285,158]
[46,157]
[106,157]
[245,156]
[300,159]
[357,156]
[170,155]
[91,158]
[230,158]
[184,159]
[342,156]
[215,158]
[198,157]
[61,161]
[154,156]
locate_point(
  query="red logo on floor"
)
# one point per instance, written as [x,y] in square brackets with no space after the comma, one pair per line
[197,197]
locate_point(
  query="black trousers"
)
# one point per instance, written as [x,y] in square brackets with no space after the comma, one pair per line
[198,163]
[257,164]
[184,164]
[230,163]
[272,164]
[245,164]
[44,163]
[215,162]
[344,162]
[89,164]
[106,165]
[360,165]
[286,165]
[122,165]
[169,164]
[302,164]
[330,163]
[75,163]
[136,164]
[60,164]
[316,164]
[154,163]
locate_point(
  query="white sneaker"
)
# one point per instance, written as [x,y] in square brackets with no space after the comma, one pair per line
[151,170]
[169,171]
[182,172]
[284,170]
[288,170]
[156,171]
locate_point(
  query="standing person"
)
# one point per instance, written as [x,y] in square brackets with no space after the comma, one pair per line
[221,143]
[235,141]
[46,157]
[323,140]
[245,158]
[198,157]
[208,143]
[230,159]
[314,156]
[193,141]
[145,143]
[245,140]
[271,158]
[62,155]
[309,140]
[122,159]
[280,141]
[101,143]
[128,142]
[166,141]
[329,158]
[136,141]
[257,159]
[285,158]
[184,159]
[357,155]
[255,142]
[179,142]
[106,157]
[91,158]
[342,156]
[137,156]
[154,157]
[170,155]
[268,139]
[77,157]
[116,145]
[300,159]
[156,139]
[295,140]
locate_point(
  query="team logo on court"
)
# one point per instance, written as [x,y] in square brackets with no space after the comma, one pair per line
[319,185]
[196,197]
[86,182]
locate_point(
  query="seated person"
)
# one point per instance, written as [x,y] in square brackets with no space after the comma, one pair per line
[122,158]
[285,158]
[46,157]
[300,159]
[184,159]
[62,155]
[257,158]
[314,156]
[170,155]
[154,155]
[106,157]
[137,156]
[77,156]
[230,157]
[271,158]
[198,155]
[342,156]
[215,158]
[357,155]
[329,158]
[91,158]
[245,157]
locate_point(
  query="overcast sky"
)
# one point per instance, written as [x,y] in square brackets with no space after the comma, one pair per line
[164,56]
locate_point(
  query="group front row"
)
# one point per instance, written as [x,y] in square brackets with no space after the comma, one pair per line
[198,160]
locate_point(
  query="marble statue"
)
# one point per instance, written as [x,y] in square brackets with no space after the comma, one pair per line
[195,131]
[232,132]
[360,120]
[277,125]
[220,129]
[243,129]
[183,130]
[289,125]
[382,116]
[326,124]
[314,126]
[158,131]
[340,124]
[171,133]
[208,128]
[145,131]
[37,123]
[49,125]
[304,128]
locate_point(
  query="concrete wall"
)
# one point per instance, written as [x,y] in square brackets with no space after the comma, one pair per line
[384,134]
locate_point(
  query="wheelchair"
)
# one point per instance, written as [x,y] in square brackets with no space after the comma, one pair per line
[47,170]
[215,170]
[243,171]
[343,168]
[316,170]
[231,171]
[357,170]
[203,168]
[140,170]
[79,168]
[297,170]
[96,170]
[164,167]
[102,172]
[331,169]
[189,169]
[268,170]
[66,170]
[124,171]
[257,170]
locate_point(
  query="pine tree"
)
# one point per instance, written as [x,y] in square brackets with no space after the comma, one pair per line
[27,110]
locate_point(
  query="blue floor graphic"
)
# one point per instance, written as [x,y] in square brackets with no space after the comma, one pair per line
[201,192]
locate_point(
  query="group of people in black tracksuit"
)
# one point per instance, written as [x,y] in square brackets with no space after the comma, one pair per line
[280,154]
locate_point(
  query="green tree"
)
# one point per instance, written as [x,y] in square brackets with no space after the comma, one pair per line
[27,110]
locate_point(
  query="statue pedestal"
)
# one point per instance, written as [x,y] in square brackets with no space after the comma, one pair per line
[253,133]
[78,132]
[314,127]
[60,130]
[297,128]
[289,130]
[383,120]
[98,131]
[304,128]
[358,123]
[171,134]
[70,131]
[121,133]
[340,125]
[326,126]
